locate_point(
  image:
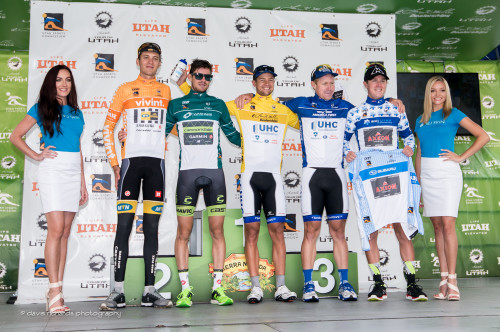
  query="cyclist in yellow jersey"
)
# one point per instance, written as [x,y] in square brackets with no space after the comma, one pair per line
[142,104]
[263,123]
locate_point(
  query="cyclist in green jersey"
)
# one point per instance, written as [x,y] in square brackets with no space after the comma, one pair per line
[199,118]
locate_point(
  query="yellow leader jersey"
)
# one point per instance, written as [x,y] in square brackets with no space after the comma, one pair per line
[143,106]
[263,123]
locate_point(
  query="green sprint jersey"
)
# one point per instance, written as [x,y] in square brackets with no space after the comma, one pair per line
[199,118]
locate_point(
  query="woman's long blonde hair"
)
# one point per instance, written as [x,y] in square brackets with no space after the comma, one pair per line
[428,101]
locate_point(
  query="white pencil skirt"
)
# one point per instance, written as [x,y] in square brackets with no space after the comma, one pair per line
[442,185]
[59,182]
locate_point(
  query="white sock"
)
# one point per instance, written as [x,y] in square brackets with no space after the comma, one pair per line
[217,279]
[119,286]
[184,279]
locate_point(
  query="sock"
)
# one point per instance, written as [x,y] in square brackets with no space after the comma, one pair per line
[217,278]
[409,272]
[255,281]
[149,289]
[344,275]
[184,277]
[119,287]
[280,280]
[375,268]
[307,275]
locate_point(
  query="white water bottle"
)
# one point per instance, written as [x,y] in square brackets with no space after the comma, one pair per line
[178,70]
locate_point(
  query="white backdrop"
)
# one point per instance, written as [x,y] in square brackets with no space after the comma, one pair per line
[85,34]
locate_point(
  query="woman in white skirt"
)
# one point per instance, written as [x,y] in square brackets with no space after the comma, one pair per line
[438,171]
[61,179]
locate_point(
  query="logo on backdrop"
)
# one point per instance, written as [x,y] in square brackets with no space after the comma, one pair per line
[103,20]
[384,257]
[244,69]
[6,204]
[53,22]
[40,268]
[290,64]
[472,193]
[329,31]
[98,153]
[243,24]
[434,260]
[285,34]
[97,263]
[373,29]
[486,10]
[104,62]
[15,63]
[366,8]
[292,179]
[290,224]
[3,270]
[450,41]
[8,162]
[488,102]
[476,256]
[475,228]
[330,36]
[411,26]
[97,139]
[41,222]
[14,103]
[46,64]
[150,29]
[196,30]
[101,183]
[139,222]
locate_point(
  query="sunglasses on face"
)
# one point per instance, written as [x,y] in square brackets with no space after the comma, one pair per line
[199,76]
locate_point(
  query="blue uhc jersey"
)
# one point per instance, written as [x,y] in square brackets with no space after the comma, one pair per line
[386,191]
[322,125]
[377,124]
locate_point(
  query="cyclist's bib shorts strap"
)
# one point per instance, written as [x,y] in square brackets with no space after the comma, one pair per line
[262,189]
[212,182]
[324,188]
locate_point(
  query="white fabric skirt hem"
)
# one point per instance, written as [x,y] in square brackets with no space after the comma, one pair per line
[59,181]
[442,184]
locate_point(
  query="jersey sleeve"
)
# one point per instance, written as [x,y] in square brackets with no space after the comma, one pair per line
[350,127]
[405,132]
[171,120]
[185,88]
[231,107]
[293,104]
[112,117]
[293,119]
[227,126]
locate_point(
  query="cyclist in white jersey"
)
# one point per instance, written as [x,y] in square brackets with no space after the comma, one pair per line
[377,125]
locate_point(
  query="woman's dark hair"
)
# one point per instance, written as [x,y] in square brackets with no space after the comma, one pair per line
[49,108]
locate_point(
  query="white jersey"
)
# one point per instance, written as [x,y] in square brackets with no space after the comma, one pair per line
[377,125]
[386,191]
